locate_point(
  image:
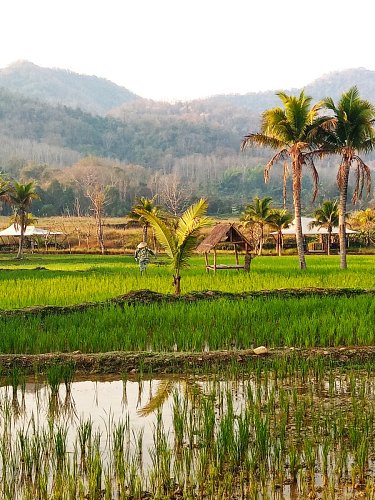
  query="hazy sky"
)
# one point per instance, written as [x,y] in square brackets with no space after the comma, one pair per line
[179,49]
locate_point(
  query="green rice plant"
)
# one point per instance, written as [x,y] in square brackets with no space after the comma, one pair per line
[84,432]
[54,377]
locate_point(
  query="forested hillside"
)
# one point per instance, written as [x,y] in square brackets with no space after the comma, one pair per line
[58,86]
[141,147]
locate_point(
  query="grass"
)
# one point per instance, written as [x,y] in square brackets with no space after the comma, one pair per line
[72,279]
[222,324]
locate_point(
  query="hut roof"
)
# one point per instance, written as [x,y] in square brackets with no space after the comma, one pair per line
[222,233]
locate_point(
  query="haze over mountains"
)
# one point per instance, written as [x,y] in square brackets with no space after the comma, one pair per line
[55,117]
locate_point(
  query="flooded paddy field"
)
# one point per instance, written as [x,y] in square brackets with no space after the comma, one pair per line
[287,428]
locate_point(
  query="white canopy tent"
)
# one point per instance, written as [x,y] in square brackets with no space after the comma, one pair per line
[32,233]
[15,230]
[309,230]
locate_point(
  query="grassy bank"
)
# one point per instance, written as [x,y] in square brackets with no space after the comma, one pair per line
[73,279]
[309,321]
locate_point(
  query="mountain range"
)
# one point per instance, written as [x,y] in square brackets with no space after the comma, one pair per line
[56,117]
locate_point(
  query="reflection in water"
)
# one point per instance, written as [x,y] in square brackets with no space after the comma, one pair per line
[259,436]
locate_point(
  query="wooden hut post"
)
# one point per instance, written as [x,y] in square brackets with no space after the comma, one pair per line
[215,260]
[206,261]
[236,254]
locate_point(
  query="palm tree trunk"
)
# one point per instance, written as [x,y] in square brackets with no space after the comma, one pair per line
[329,235]
[297,211]
[22,234]
[177,286]
[261,239]
[145,231]
[342,212]
[279,242]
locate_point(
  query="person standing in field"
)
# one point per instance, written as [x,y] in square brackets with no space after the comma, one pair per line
[142,255]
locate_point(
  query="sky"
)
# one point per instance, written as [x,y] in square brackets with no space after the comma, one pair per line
[174,50]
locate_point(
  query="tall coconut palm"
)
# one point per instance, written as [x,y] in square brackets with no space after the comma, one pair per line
[292,130]
[279,219]
[258,213]
[179,239]
[21,197]
[351,134]
[327,216]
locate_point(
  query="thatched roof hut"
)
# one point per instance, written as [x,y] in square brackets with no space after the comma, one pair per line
[226,233]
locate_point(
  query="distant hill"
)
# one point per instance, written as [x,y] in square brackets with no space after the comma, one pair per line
[329,85]
[65,115]
[58,86]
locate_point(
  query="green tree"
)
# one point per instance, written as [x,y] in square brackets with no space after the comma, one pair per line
[364,221]
[327,216]
[279,219]
[258,214]
[292,130]
[180,238]
[351,133]
[149,206]
[21,197]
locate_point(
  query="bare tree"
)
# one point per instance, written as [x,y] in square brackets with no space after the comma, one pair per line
[98,198]
[174,193]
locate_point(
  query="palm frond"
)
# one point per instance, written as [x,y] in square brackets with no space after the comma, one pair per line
[280,155]
[162,231]
[163,392]
[192,220]
[260,140]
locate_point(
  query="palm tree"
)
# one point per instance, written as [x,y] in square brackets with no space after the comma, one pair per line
[279,219]
[258,213]
[293,131]
[180,238]
[147,204]
[327,215]
[21,197]
[4,188]
[352,132]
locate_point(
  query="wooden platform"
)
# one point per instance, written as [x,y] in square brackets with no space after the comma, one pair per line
[224,266]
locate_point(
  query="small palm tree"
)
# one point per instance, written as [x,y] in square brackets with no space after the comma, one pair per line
[21,197]
[258,213]
[149,205]
[352,132]
[327,216]
[279,219]
[294,131]
[179,239]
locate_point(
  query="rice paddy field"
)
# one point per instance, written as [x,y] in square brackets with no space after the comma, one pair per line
[291,427]
[226,323]
[269,430]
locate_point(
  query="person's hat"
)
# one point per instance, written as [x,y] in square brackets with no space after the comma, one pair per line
[143,244]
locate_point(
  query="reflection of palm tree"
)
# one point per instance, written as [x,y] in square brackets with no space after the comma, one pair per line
[190,388]
[327,216]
